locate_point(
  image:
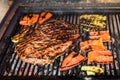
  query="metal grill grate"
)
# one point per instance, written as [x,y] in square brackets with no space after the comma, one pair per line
[11,65]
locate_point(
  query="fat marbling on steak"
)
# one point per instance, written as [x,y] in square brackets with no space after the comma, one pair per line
[47,42]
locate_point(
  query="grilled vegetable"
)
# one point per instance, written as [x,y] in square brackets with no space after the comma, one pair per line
[31,19]
[104,59]
[93,17]
[100,34]
[97,45]
[44,16]
[71,61]
[20,35]
[101,57]
[92,22]
[92,44]
[92,70]
[28,20]
[90,73]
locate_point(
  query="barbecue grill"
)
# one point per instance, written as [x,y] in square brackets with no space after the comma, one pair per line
[68,10]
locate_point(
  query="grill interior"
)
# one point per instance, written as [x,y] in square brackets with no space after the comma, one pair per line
[11,65]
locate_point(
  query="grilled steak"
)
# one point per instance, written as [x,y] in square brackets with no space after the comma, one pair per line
[47,42]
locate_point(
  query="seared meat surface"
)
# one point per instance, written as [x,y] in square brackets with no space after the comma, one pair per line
[47,42]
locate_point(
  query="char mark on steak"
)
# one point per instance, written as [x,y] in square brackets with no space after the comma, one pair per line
[47,42]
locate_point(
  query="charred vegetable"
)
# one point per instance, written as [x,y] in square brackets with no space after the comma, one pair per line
[92,22]
[44,16]
[31,19]
[92,44]
[100,34]
[93,17]
[71,61]
[28,20]
[92,70]
[20,35]
[26,23]
[100,57]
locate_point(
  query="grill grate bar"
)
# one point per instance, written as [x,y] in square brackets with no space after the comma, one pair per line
[57,66]
[5,61]
[14,64]
[23,69]
[118,23]
[108,67]
[28,72]
[19,68]
[116,29]
[115,25]
[48,66]
[11,62]
[53,69]
[27,68]
[36,70]
[31,70]
[113,66]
